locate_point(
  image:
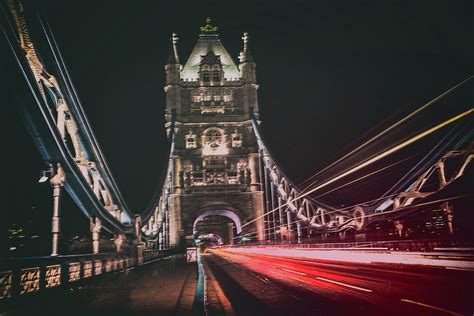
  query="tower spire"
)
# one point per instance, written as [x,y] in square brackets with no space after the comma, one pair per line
[247,65]
[245,55]
[173,57]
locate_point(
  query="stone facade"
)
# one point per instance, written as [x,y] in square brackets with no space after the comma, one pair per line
[215,159]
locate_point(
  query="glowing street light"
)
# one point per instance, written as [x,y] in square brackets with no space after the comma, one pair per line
[45,175]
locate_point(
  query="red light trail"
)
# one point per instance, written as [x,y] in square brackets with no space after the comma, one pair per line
[414,289]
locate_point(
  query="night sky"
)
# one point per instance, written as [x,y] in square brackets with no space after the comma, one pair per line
[331,73]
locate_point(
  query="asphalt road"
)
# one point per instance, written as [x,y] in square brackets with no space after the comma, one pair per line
[260,284]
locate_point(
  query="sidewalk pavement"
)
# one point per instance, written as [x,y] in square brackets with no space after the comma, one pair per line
[164,287]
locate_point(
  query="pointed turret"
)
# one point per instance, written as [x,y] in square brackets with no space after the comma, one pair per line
[245,55]
[209,41]
[247,64]
[247,70]
[173,66]
[173,78]
[173,57]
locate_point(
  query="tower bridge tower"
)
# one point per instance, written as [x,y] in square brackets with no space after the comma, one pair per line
[216,185]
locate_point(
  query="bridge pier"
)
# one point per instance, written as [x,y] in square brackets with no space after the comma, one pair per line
[95,226]
[288,223]
[399,227]
[282,220]
[448,210]
[230,233]
[299,231]
[118,241]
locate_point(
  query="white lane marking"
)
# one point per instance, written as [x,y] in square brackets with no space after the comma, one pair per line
[300,273]
[454,268]
[344,284]
[431,306]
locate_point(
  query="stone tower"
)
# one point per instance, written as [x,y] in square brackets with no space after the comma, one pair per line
[216,185]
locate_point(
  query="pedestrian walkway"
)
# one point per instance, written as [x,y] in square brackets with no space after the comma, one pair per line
[164,287]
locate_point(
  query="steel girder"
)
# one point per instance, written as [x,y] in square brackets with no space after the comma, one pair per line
[56,119]
[325,219]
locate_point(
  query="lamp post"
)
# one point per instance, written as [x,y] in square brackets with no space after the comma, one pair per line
[56,178]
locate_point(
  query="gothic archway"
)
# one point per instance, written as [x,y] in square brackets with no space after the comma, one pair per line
[225,213]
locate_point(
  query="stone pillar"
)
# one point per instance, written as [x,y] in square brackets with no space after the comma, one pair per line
[288,223]
[140,254]
[166,231]
[230,233]
[95,226]
[399,227]
[160,240]
[174,221]
[448,210]
[177,185]
[57,182]
[298,230]
[253,166]
[259,212]
[138,227]
[118,241]
[342,234]
[282,219]
[275,212]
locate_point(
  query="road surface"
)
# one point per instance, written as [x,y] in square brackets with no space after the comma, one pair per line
[265,285]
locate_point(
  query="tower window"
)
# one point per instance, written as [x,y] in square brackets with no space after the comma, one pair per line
[205,73]
[228,96]
[208,96]
[216,76]
[236,140]
[213,138]
[190,141]
[196,94]
[205,76]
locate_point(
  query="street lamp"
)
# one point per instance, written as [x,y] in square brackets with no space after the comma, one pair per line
[56,176]
[45,175]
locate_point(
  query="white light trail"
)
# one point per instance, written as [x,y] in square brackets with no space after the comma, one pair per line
[390,128]
[344,284]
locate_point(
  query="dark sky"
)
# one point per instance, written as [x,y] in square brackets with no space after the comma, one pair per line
[329,72]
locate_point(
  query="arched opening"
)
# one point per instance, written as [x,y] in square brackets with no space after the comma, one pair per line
[225,224]
[210,239]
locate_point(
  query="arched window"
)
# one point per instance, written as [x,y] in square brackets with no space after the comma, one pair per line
[213,138]
[216,76]
[214,142]
[205,73]
[216,73]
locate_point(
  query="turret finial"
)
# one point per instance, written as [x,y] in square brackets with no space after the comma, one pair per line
[245,55]
[208,27]
[245,37]
[174,58]
[174,38]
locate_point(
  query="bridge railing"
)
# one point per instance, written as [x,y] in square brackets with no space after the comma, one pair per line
[24,276]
